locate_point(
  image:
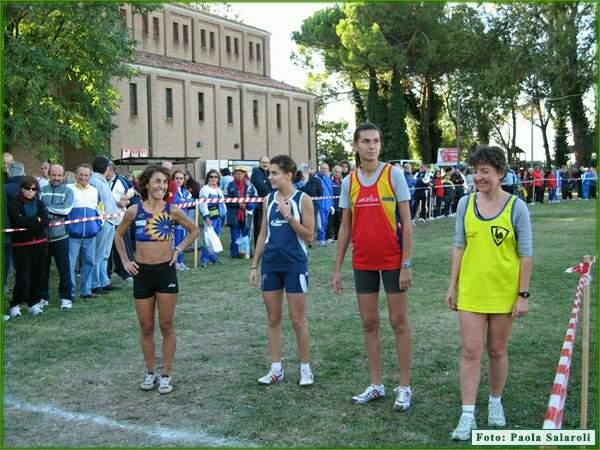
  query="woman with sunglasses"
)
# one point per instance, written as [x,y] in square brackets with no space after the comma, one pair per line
[29,247]
[212,213]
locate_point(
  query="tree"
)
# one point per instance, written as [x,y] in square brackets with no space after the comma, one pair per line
[60,60]
[561,146]
[397,146]
[331,139]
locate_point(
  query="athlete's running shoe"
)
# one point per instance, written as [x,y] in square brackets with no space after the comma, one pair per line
[150,382]
[403,397]
[371,393]
[496,415]
[466,424]
[165,384]
[306,377]
[271,378]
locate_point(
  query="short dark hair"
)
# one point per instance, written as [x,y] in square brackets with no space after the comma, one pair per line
[285,163]
[364,127]
[209,173]
[29,181]
[145,176]
[225,172]
[488,154]
[100,164]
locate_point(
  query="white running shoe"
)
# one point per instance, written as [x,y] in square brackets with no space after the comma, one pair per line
[35,309]
[496,415]
[371,393]
[65,304]
[165,384]
[15,311]
[150,382]
[5,317]
[466,424]
[271,378]
[43,303]
[403,398]
[306,377]
[180,267]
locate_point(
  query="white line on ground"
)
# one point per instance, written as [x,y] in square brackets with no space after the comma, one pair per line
[166,434]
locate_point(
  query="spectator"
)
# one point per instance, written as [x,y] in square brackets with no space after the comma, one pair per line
[308,184]
[345,166]
[509,182]
[459,181]
[334,222]
[528,185]
[576,181]
[438,189]
[448,194]
[122,193]
[192,185]
[551,185]
[213,214]
[29,247]
[239,215]
[325,206]
[411,183]
[172,186]
[58,199]
[7,158]
[104,238]
[589,184]
[469,181]
[182,195]
[421,200]
[260,181]
[44,177]
[538,184]
[16,173]
[82,236]
[226,178]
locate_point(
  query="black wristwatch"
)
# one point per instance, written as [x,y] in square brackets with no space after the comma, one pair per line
[524,294]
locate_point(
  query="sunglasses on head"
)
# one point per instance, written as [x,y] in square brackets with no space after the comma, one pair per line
[32,188]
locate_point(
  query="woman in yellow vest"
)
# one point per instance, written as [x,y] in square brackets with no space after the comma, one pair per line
[489,284]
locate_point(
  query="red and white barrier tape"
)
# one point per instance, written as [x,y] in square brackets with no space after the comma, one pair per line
[554,412]
[179,205]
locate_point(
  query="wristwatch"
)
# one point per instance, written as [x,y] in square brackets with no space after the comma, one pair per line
[524,294]
[407,264]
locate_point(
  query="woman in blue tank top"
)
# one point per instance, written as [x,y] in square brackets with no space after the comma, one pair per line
[287,227]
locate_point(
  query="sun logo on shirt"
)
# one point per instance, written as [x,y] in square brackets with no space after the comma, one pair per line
[160,227]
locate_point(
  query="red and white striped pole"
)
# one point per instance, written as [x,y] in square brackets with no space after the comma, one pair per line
[554,413]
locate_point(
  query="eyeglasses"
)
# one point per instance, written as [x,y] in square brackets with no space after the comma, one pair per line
[32,188]
[214,176]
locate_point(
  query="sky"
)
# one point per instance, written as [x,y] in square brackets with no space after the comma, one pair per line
[281,19]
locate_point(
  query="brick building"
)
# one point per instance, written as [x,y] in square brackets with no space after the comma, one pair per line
[203,89]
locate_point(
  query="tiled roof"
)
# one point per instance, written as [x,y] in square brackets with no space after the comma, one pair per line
[208,70]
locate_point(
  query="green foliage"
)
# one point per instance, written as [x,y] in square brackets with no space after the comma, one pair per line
[397,145]
[60,60]
[331,140]
[561,146]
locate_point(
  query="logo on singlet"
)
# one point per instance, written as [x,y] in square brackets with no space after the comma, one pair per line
[499,234]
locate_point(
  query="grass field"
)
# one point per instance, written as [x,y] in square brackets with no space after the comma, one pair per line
[71,379]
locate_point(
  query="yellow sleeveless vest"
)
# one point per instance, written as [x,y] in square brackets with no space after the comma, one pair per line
[489,273]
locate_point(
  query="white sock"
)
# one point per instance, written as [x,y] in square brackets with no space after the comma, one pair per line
[468,409]
[495,400]
[305,366]
[404,388]
[276,367]
[378,386]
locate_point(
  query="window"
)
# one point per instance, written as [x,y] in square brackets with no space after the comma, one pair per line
[185,35]
[123,17]
[169,102]
[300,118]
[175,32]
[201,106]
[212,40]
[155,27]
[203,38]
[227,44]
[229,109]
[255,112]
[251,50]
[258,54]
[145,24]
[133,99]
[236,48]
[278,106]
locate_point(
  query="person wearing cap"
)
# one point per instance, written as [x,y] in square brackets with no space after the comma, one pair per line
[239,214]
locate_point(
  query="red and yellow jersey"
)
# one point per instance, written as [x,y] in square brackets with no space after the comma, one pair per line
[376,235]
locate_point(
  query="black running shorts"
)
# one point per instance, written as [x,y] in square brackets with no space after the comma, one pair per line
[155,278]
[367,281]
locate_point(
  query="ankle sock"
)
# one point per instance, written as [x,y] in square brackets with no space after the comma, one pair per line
[495,400]
[276,367]
[305,366]
[468,409]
